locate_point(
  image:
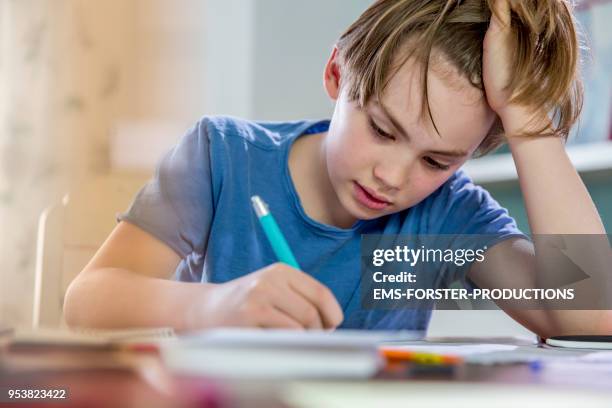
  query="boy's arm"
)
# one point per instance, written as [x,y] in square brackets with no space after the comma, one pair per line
[512,264]
[126,285]
[557,202]
[556,199]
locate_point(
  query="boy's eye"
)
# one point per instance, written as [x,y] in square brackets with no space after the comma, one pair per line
[379,132]
[434,164]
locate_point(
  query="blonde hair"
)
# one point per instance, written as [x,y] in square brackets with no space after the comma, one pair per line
[546,53]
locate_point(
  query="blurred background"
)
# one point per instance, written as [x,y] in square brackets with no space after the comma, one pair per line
[96,88]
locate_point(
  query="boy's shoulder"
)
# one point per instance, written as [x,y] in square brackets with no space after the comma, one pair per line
[263,134]
[458,183]
[459,192]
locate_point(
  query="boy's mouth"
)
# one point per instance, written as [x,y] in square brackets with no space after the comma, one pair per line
[368,198]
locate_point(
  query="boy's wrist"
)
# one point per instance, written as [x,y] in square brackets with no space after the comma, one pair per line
[537,150]
[196,314]
[519,121]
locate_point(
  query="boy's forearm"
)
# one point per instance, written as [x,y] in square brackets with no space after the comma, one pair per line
[118,298]
[556,199]
[557,202]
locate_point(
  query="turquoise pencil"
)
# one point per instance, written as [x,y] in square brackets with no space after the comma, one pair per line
[273,233]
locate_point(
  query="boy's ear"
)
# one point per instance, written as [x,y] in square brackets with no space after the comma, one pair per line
[331,78]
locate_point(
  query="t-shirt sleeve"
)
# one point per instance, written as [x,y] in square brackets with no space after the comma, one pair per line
[176,205]
[468,217]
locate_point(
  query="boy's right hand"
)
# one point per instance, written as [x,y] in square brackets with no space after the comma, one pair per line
[277,296]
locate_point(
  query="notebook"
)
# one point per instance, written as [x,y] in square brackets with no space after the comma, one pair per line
[277,354]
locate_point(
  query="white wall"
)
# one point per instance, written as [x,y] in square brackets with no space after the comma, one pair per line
[293,40]
[228,31]
[266,57]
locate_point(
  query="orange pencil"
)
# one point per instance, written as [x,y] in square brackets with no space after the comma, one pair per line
[394,354]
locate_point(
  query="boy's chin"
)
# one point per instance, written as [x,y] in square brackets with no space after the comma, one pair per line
[360,212]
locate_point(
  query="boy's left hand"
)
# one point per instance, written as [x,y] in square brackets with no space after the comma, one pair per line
[497,64]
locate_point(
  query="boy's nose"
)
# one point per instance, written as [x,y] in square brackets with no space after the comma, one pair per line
[391,174]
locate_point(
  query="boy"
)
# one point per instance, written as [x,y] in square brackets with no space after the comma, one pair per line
[416,95]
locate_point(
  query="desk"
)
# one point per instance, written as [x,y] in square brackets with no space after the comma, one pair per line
[101,378]
[116,378]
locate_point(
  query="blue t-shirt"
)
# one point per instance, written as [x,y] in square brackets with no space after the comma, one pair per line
[198,203]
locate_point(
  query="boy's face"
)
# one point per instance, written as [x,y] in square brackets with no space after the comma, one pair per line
[401,159]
